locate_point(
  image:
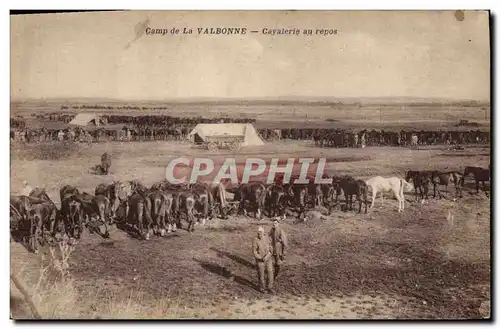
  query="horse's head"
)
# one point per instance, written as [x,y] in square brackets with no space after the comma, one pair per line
[408,175]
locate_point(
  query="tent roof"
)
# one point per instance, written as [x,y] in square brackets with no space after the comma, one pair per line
[219,129]
[83,119]
[228,129]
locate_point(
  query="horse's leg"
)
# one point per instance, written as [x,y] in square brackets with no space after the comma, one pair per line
[374,195]
[439,192]
[103,218]
[398,197]
[365,199]
[241,207]
[205,212]
[358,198]
[191,221]
[80,225]
[42,229]
[458,190]
[140,227]
[33,237]
[425,192]
[484,188]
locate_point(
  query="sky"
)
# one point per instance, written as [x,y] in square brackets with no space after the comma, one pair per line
[430,54]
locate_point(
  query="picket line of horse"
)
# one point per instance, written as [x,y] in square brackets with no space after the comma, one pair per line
[161,208]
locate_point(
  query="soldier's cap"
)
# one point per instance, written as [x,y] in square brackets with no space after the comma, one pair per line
[260,229]
[276,219]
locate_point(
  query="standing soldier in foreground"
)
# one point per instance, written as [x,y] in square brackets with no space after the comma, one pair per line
[262,252]
[279,242]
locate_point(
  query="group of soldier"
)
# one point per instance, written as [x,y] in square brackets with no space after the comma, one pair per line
[269,252]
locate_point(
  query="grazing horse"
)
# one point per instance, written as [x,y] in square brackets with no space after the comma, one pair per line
[110,191]
[358,187]
[255,194]
[96,206]
[168,202]
[316,192]
[119,192]
[39,195]
[186,206]
[336,186]
[72,215]
[480,175]
[219,199]
[457,178]
[203,200]
[278,201]
[157,199]
[445,178]
[71,210]
[394,184]
[137,214]
[327,191]
[19,207]
[175,192]
[420,180]
[19,211]
[40,216]
[105,163]
[298,194]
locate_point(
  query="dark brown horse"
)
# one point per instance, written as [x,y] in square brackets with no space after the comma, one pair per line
[481,175]
[357,187]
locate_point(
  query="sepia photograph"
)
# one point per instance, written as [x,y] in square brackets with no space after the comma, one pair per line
[250,164]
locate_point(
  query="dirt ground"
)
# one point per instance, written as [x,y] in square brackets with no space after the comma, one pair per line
[430,261]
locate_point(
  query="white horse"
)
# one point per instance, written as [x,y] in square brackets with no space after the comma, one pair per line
[395,184]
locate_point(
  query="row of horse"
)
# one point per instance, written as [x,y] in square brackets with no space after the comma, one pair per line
[161,208]
[144,120]
[321,137]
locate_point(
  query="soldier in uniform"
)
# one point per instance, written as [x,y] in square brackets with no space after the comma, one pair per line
[363,141]
[60,135]
[262,251]
[279,242]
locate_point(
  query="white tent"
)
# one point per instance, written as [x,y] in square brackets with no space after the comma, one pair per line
[251,137]
[86,119]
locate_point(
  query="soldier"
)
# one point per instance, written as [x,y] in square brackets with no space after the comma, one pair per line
[262,251]
[279,242]
[60,135]
[363,142]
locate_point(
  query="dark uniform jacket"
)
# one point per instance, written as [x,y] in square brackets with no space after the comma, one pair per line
[279,240]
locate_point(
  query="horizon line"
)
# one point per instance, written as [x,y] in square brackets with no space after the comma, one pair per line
[256,98]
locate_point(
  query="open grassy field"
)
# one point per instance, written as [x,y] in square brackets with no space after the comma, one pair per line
[431,261]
